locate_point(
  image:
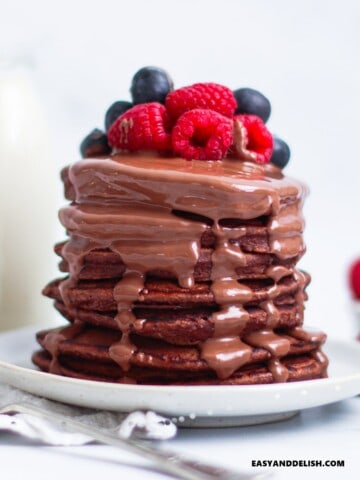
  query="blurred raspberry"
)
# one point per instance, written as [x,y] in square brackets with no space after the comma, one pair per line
[354,278]
[252,140]
[202,134]
[201,95]
[144,126]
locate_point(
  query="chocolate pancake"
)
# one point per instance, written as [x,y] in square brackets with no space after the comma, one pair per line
[179,326]
[98,295]
[169,311]
[86,355]
[104,264]
[304,367]
[181,273]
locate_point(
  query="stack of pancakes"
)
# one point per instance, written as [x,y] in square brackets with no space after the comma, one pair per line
[181,273]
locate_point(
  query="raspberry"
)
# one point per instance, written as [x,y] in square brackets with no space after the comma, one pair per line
[201,95]
[354,278]
[252,140]
[144,126]
[202,134]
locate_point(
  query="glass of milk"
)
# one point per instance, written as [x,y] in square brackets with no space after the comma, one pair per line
[28,190]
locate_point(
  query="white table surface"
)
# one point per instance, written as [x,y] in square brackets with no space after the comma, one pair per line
[331,432]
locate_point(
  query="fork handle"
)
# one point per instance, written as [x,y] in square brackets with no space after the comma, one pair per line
[174,464]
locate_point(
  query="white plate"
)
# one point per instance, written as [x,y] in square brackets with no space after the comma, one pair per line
[193,406]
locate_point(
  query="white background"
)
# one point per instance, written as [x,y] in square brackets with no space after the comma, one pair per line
[304,55]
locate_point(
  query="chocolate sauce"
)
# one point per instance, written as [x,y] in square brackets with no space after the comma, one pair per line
[277,272]
[126,292]
[225,354]
[277,345]
[279,372]
[229,320]
[307,335]
[125,203]
[321,358]
[53,339]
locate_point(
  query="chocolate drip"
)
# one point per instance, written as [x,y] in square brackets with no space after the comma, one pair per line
[277,272]
[229,320]
[126,204]
[321,358]
[227,256]
[126,292]
[286,242]
[277,346]
[272,312]
[307,336]
[279,372]
[74,253]
[53,339]
[300,295]
[225,355]
[144,240]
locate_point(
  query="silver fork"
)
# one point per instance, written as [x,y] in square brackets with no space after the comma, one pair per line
[174,464]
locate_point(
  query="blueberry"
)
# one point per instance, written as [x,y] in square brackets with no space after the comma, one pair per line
[114,111]
[281,153]
[251,101]
[150,84]
[94,144]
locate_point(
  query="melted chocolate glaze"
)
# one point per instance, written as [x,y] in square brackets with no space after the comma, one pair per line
[158,214]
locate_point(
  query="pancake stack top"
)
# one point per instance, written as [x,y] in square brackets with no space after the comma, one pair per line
[183,245]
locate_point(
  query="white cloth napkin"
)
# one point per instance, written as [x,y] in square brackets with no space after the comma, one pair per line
[148,425]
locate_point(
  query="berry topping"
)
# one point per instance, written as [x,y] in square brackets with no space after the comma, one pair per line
[354,278]
[94,144]
[205,121]
[143,126]
[114,111]
[201,95]
[281,153]
[252,102]
[150,84]
[202,134]
[252,140]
